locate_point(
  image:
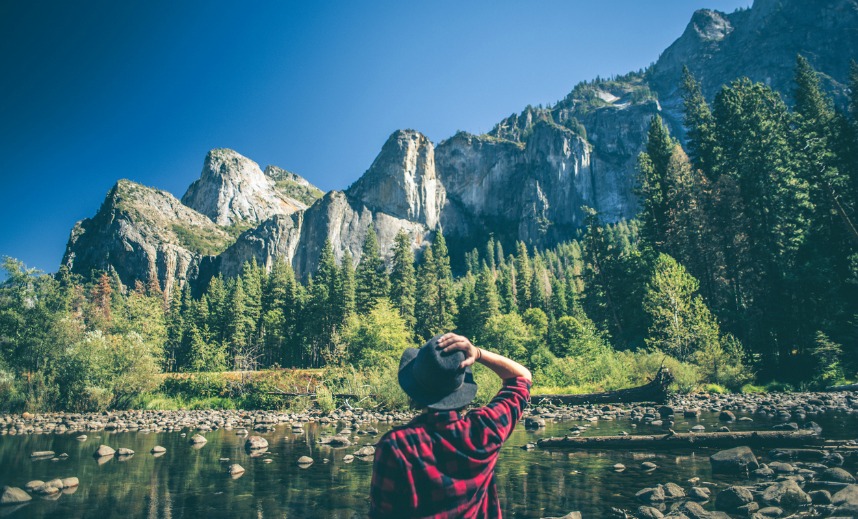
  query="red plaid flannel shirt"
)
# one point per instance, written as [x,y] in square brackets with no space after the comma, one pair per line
[442,466]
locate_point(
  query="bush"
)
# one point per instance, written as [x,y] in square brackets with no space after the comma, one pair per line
[377,337]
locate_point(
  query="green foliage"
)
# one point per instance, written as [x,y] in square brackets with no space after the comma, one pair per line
[826,355]
[377,338]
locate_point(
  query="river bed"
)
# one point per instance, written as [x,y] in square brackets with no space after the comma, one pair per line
[193,482]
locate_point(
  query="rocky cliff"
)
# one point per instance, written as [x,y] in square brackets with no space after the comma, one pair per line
[144,233]
[525,180]
[233,190]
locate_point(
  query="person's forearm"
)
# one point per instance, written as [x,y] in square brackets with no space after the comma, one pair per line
[504,368]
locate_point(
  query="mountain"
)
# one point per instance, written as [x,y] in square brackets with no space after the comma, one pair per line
[527,179]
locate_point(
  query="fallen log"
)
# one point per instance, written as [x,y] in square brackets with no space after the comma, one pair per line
[847,387]
[686,440]
[654,391]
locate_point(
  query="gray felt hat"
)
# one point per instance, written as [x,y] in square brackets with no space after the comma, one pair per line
[433,379]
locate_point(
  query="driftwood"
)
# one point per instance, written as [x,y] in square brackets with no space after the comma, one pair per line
[684,440]
[847,387]
[653,391]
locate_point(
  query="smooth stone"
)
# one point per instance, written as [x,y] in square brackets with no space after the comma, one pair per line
[33,485]
[731,498]
[158,450]
[651,495]
[619,467]
[235,469]
[673,491]
[846,501]
[785,493]
[70,482]
[42,454]
[198,439]
[368,450]
[648,512]
[348,458]
[820,497]
[255,443]
[648,466]
[103,451]
[13,496]
[734,461]
[124,452]
[700,493]
[305,460]
[837,474]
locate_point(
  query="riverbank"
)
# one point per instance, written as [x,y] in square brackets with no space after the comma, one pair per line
[534,482]
[796,407]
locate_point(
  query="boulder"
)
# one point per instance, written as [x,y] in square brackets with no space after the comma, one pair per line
[70,482]
[305,460]
[365,451]
[124,452]
[785,493]
[673,491]
[235,469]
[648,512]
[13,496]
[651,495]
[836,474]
[846,501]
[158,450]
[731,498]
[255,443]
[198,439]
[734,461]
[104,450]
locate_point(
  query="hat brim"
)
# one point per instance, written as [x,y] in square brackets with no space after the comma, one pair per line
[460,397]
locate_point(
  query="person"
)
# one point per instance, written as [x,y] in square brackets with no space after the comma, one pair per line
[441,464]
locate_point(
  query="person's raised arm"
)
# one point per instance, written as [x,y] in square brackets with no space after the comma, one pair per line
[504,367]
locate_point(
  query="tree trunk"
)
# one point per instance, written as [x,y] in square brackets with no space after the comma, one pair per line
[687,440]
[654,391]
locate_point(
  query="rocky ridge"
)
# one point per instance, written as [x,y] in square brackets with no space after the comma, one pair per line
[525,180]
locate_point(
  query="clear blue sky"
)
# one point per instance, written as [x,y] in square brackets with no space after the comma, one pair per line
[95,91]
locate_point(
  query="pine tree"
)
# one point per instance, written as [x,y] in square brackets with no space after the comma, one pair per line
[486,296]
[523,275]
[372,281]
[653,167]
[702,144]
[445,301]
[346,297]
[403,283]
[506,289]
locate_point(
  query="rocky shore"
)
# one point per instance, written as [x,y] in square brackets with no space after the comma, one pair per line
[763,483]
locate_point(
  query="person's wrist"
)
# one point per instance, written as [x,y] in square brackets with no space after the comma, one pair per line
[479,354]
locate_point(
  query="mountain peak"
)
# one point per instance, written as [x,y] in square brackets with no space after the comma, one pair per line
[402,180]
[232,189]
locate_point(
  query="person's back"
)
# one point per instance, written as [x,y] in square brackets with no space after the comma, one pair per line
[442,464]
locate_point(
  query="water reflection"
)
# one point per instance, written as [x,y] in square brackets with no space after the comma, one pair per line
[194,480]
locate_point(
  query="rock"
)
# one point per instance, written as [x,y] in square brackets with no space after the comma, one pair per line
[648,512]
[124,452]
[104,450]
[81,438]
[70,482]
[781,468]
[748,509]
[651,495]
[648,465]
[234,469]
[836,474]
[698,428]
[348,458]
[305,460]
[820,497]
[619,467]
[13,496]
[570,515]
[731,498]
[785,493]
[42,454]
[33,485]
[339,441]
[198,439]
[691,510]
[158,450]
[792,426]
[256,442]
[366,451]
[699,493]
[727,416]
[846,501]
[770,511]
[673,491]
[734,461]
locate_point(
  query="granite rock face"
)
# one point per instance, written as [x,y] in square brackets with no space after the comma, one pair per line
[232,189]
[143,233]
[527,179]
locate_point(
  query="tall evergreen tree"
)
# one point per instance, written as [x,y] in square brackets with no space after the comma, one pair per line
[701,142]
[445,309]
[372,281]
[653,187]
[403,283]
[427,294]
[523,275]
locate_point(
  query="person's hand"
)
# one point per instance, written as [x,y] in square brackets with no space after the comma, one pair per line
[453,342]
